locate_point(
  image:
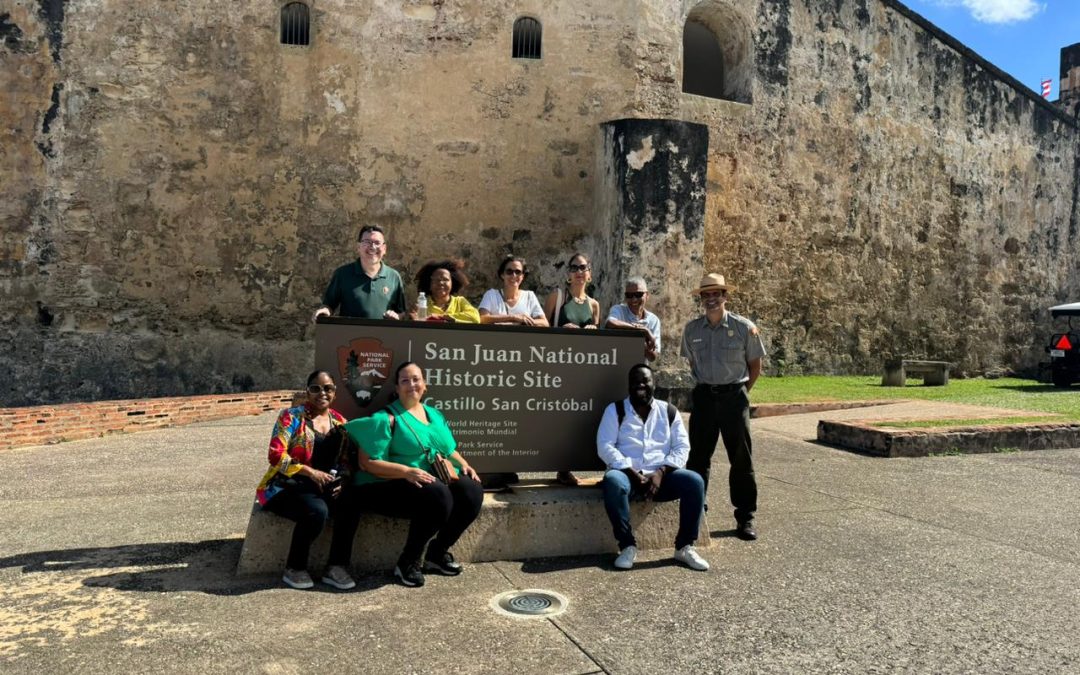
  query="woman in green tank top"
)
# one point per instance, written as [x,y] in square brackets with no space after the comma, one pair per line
[572,307]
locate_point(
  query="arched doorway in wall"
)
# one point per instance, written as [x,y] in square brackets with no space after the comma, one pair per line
[717,52]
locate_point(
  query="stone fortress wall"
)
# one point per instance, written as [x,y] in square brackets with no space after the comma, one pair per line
[177,185]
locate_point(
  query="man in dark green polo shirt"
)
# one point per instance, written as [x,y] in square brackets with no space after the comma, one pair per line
[366,288]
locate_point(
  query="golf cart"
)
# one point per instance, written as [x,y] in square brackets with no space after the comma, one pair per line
[1064,348]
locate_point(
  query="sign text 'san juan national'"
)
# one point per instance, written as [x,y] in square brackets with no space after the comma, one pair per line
[517,399]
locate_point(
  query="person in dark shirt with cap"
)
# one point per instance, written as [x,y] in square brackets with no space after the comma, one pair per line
[725,352]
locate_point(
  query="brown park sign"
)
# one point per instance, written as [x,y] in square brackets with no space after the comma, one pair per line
[517,399]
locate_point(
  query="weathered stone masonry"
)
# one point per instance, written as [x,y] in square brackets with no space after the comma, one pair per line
[175,185]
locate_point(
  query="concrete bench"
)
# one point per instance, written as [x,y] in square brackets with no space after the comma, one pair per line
[533,521]
[933,373]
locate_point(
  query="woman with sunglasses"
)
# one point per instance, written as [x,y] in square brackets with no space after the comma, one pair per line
[572,307]
[511,304]
[299,484]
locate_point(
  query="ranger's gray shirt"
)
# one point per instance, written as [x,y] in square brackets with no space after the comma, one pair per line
[718,354]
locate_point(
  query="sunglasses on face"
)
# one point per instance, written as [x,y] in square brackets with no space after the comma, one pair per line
[324,389]
[713,294]
[635,296]
[514,273]
[579,268]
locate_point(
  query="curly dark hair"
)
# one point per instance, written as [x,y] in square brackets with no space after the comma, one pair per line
[456,268]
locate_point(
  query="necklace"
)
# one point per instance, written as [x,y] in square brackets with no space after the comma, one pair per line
[581,300]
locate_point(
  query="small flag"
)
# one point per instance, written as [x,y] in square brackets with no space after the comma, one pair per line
[1046,88]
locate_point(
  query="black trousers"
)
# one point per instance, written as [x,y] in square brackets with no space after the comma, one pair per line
[433,510]
[310,511]
[725,413]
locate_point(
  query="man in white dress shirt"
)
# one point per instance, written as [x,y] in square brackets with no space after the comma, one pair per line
[644,444]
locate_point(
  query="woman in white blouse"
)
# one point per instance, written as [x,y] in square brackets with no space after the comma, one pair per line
[510,304]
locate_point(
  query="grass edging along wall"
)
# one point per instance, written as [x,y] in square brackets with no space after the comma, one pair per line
[40,425]
[865,438]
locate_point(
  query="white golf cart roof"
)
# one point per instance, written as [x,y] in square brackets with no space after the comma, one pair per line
[1072,309]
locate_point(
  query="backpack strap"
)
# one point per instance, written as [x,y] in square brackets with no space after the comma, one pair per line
[672,411]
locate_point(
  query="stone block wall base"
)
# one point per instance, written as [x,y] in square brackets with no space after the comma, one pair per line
[865,438]
[537,521]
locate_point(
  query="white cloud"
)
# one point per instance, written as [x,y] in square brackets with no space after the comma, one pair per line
[1002,11]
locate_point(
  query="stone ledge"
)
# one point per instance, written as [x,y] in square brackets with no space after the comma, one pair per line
[864,437]
[533,521]
[777,409]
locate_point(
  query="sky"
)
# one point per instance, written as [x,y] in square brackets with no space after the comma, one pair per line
[1022,37]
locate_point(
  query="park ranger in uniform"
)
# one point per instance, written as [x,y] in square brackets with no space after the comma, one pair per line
[725,352]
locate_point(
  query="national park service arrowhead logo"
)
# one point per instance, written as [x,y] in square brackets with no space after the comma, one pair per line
[363,366]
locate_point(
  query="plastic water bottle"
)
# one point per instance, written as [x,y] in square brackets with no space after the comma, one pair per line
[421,307]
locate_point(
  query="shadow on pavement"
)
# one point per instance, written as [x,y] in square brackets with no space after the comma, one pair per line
[722,534]
[600,562]
[204,567]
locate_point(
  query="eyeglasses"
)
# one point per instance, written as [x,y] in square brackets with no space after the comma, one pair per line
[635,296]
[514,273]
[324,389]
[713,294]
[372,244]
[579,268]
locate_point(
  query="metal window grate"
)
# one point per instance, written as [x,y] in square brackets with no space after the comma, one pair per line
[527,34]
[295,24]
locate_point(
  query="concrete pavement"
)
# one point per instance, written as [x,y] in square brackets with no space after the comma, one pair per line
[118,555]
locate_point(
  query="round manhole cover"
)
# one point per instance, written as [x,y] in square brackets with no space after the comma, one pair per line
[531,603]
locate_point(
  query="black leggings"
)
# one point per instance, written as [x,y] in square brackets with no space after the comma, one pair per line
[434,510]
[310,512]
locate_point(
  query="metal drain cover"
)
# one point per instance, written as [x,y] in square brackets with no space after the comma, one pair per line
[531,603]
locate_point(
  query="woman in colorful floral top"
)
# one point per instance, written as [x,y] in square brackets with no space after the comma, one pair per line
[298,485]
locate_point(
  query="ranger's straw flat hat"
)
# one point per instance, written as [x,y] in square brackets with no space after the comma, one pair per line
[713,282]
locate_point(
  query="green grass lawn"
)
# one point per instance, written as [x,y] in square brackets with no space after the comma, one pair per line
[1003,393]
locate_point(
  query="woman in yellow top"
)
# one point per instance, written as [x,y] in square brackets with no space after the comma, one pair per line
[442,281]
[399,448]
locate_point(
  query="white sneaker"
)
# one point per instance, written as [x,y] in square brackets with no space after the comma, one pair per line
[298,579]
[689,557]
[626,558]
[338,577]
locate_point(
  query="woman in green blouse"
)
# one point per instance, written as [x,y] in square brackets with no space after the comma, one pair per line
[397,478]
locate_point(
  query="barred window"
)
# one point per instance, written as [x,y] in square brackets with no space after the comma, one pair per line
[295,24]
[527,34]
